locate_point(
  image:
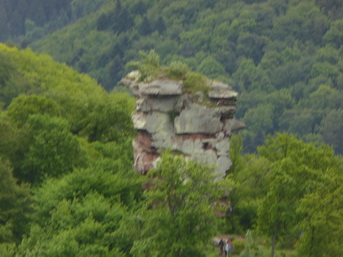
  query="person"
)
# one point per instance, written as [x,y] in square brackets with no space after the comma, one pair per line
[227,248]
[221,247]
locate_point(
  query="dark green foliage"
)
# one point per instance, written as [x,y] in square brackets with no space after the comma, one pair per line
[259,47]
[72,141]
[27,21]
[118,20]
[160,25]
[6,68]
[52,149]
[331,128]
[211,67]
[173,114]
[139,8]
[11,81]
[250,46]
[145,27]
[335,34]
[15,203]
[9,139]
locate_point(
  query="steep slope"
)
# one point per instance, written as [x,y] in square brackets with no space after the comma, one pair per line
[63,139]
[24,21]
[91,111]
[281,56]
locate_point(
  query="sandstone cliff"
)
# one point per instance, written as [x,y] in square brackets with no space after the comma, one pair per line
[197,125]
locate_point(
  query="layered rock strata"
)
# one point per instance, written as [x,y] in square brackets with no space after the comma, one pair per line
[167,118]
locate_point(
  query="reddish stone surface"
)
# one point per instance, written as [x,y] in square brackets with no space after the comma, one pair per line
[148,160]
[144,162]
[144,140]
[144,153]
[194,137]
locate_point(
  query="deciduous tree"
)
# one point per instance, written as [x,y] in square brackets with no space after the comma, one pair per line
[296,168]
[15,203]
[323,218]
[178,218]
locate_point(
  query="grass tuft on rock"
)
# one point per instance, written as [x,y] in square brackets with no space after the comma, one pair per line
[150,69]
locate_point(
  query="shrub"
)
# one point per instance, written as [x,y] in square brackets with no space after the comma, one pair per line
[238,246]
[178,70]
[195,82]
[149,65]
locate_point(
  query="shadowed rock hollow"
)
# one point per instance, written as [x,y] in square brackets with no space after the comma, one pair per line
[197,125]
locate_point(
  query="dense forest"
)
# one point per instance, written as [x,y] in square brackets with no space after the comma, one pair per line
[282,56]
[29,20]
[67,187]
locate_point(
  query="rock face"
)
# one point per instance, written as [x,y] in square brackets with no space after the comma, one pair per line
[167,118]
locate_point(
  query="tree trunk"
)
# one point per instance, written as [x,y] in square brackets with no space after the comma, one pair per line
[273,244]
[233,219]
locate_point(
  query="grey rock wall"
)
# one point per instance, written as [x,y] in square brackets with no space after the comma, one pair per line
[167,118]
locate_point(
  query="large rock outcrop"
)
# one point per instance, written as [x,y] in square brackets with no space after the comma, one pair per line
[196,125]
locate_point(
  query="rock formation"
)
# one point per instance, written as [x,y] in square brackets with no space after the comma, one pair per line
[196,125]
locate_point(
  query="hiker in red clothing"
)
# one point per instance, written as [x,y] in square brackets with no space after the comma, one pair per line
[228,247]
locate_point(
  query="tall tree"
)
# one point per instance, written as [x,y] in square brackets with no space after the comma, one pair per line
[331,127]
[15,203]
[160,25]
[84,213]
[51,151]
[323,218]
[296,166]
[178,217]
[145,27]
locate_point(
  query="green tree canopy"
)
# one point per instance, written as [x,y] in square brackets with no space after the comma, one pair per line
[52,149]
[82,213]
[178,218]
[15,203]
[296,168]
[323,212]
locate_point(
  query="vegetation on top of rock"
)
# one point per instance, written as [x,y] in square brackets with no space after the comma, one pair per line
[150,69]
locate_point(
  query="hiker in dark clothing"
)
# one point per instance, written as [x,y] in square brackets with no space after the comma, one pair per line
[221,247]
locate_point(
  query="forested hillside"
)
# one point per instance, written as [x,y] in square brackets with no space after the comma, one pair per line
[63,141]
[24,21]
[284,57]
[67,187]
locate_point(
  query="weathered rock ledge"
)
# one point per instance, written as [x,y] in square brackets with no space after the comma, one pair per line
[167,118]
